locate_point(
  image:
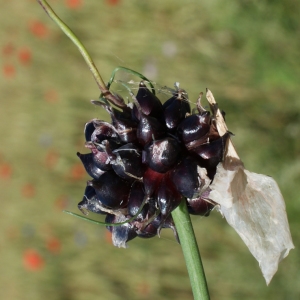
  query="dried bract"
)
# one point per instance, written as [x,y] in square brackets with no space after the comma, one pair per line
[252,204]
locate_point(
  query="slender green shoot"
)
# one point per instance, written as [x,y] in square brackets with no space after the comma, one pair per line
[191,252]
[109,224]
[47,8]
[113,74]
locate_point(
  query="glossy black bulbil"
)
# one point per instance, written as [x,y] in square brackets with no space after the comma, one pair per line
[148,159]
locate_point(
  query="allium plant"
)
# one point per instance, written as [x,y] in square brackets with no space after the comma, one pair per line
[157,162]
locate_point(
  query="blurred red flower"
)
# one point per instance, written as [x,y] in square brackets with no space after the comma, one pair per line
[51,96]
[77,172]
[28,190]
[143,289]
[54,245]
[25,55]
[38,29]
[61,202]
[51,158]
[108,237]
[32,260]
[8,49]
[5,171]
[73,3]
[113,2]
[9,70]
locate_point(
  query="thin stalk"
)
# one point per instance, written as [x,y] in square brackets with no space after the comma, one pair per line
[191,252]
[47,8]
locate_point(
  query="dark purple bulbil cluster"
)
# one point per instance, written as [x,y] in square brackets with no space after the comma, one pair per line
[147,160]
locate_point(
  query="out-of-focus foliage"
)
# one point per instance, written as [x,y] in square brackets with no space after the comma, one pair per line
[246,52]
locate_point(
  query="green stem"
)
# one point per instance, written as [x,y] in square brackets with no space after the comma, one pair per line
[191,252]
[47,8]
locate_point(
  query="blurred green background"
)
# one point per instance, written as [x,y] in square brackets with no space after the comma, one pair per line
[246,52]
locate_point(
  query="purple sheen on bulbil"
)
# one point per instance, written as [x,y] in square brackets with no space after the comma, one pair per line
[175,112]
[128,162]
[214,149]
[104,131]
[162,155]
[151,181]
[149,103]
[168,197]
[89,165]
[90,202]
[194,127]
[100,158]
[89,128]
[120,234]
[149,129]
[199,206]
[122,120]
[150,154]
[111,190]
[153,228]
[135,199]
[185,177]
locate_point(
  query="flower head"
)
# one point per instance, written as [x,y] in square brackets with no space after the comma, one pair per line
[149,158]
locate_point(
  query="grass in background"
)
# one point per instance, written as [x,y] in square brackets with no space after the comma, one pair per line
[246,52]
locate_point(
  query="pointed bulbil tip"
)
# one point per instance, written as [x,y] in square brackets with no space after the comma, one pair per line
[89,183]
[99,103]
[142,84]
[82,209]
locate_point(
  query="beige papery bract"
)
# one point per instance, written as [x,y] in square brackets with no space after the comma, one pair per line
[252,204]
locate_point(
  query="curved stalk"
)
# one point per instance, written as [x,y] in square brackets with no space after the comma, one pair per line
[48,9]
[190,251]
